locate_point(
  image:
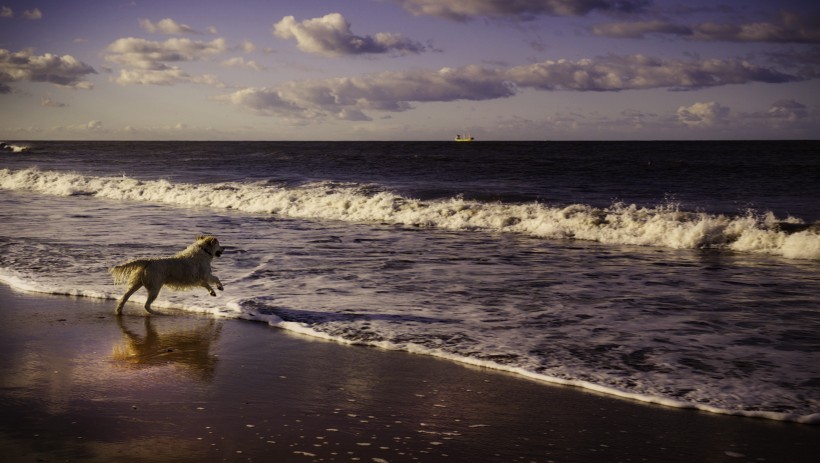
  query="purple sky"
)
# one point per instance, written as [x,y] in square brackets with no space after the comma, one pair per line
[409,69]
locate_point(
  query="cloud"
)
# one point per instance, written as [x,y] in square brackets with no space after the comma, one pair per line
[786,116]
[396,91]
[640,29]
[179,126]
[463,10]
[95,126]
[782,113]
[616,73]
[47,102]
[22,66]
[33,15]
[6,12]
[330,35]
[346,98]
[789,110]
[636,118]
[145,62]
[787,28]
[707,114]
[806,61]
[247,46]
[147,54]
[240,63]
[169,76]
[166,26]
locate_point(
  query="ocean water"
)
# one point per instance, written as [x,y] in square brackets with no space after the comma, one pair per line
[685,274]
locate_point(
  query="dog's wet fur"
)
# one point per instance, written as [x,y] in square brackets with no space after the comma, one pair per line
[187,269]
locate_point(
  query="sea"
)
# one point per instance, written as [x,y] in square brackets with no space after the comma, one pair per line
[678,273]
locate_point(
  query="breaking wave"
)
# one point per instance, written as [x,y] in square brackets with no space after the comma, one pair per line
[664,225]
[13,148]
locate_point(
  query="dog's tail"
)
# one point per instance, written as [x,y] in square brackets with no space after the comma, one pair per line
[128,273]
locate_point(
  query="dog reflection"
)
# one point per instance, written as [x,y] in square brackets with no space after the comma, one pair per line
[188,349]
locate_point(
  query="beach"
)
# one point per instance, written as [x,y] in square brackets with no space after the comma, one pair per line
[80,384]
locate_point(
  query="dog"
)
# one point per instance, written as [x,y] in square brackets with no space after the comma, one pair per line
[187,269]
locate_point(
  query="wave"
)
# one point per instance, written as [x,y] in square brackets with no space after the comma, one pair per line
[14,148]
[664,225]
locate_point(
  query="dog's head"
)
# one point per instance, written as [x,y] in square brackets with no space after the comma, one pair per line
[210,245]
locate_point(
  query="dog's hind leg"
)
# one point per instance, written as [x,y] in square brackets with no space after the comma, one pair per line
[152,294]
[131,290]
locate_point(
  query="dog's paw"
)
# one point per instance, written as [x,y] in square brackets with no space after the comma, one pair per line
[220,287]
[213,293]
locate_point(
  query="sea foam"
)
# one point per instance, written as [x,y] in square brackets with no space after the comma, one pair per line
[13,148]
[665,225]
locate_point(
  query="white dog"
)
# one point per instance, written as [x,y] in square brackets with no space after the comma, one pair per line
[190,268]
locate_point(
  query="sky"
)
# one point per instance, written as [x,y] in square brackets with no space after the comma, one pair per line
[409,69]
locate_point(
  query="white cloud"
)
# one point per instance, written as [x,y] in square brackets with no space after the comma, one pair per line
[240,63]
[169,76]
[705,114]
[22,66]
[330,35]
[345,98]
[397,91]
[33,15]
[461,10]
[145,62]
[166,26]
[6,12]
[146,54]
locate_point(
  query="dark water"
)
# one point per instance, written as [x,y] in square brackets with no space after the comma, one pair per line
[719,177]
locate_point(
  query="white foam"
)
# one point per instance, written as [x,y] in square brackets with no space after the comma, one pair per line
[665,225]
[31,284]
[14,148]
[21,282]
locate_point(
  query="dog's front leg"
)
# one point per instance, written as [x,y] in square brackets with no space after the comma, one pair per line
[215,280]
[208,287]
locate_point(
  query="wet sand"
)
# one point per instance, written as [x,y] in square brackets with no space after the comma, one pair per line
[80,384]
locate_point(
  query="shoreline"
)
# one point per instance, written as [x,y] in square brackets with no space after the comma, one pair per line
[295,328]
[80,384]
